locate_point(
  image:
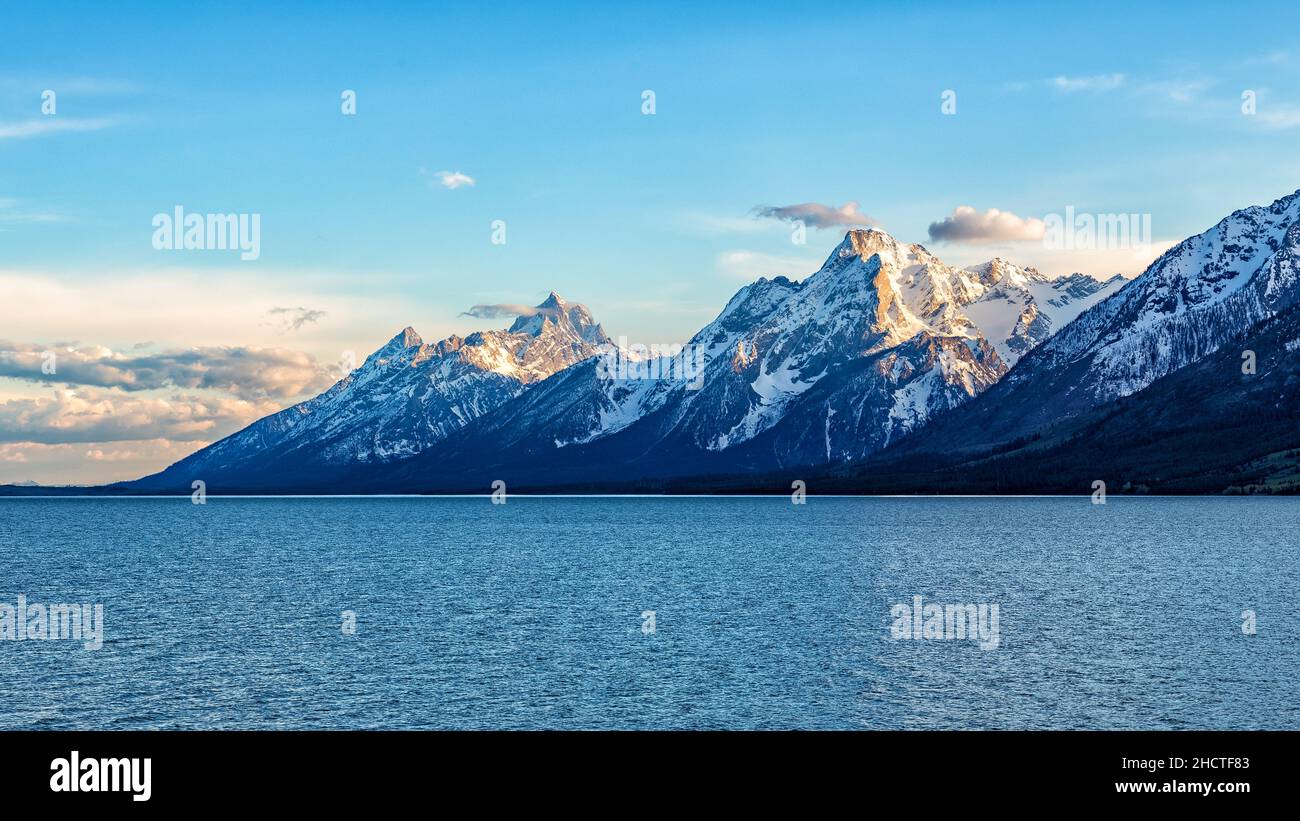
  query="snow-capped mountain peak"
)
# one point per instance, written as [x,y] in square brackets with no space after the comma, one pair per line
[405,341]
[562,317]
[1012,307]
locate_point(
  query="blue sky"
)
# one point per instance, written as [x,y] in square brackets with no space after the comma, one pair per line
[648,219]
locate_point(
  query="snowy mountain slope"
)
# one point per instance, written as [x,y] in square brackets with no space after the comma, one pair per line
[406,396]
[1187,302]
[1197,297]
[1021,307]
[1205,428]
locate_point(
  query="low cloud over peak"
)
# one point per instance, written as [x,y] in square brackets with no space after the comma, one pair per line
[817,215]
[502,310]
[968,225]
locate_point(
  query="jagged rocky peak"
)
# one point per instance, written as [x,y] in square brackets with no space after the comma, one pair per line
[998,270]
[559,313]
[403,347]
[865,242]
[405,338]
[861,244]
[1077,286]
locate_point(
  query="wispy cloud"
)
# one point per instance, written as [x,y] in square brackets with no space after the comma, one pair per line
[1272,58]
[34,84]
[1177,89]
[1095,82]
[52,125]
[30,218]
[11,212]
[1180,91]
[449,179]
[292,319]
[749,265]
[1278,118]
[501,310]
[715,225]
[969,225]
[816,215]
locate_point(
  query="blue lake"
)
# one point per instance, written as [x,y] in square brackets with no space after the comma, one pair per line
[534,614]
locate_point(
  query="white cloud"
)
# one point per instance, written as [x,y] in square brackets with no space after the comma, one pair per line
[971,226]
[51,125]
[453,179]
[1096,82]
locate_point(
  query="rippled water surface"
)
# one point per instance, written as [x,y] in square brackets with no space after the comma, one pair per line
[766,614]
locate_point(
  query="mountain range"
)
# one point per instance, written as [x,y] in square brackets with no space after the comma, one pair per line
[886,370]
